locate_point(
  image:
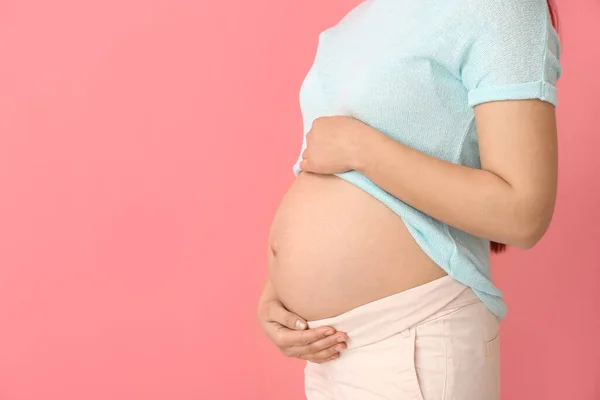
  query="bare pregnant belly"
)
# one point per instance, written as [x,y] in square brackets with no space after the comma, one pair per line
[334,247]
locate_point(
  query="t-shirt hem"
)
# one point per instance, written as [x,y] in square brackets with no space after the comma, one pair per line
[461,270]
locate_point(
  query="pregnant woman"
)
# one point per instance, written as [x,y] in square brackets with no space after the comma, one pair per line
[430,140]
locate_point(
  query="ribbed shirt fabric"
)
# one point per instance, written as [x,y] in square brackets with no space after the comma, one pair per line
[414,70]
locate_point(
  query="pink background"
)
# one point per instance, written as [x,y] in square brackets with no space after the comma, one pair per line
[144,147]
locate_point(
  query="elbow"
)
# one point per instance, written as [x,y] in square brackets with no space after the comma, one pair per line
[530,233]
[526,241]
[529,219]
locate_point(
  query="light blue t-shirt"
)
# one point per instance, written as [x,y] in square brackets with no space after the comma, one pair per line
[414,70]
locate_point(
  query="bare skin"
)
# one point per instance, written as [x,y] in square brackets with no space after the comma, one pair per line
[332,249]
[510,199]
[359,249]
[336,247]
[291,335]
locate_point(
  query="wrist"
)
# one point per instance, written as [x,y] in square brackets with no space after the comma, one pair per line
[368,148]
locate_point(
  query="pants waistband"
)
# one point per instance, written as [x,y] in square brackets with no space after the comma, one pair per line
[393,314]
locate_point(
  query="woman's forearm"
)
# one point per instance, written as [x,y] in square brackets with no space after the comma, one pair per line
[473,200]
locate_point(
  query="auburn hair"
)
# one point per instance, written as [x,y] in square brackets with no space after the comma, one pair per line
[496,247]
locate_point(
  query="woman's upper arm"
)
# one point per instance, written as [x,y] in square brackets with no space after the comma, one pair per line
[518,142]
[510,71]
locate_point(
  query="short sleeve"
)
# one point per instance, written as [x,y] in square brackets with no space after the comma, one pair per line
[513,52]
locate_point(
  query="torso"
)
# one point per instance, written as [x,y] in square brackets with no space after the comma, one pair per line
[334,247]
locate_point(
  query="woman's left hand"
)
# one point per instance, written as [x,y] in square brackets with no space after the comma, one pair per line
[334,144]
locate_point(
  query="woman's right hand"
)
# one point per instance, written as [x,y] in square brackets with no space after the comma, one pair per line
[290,334]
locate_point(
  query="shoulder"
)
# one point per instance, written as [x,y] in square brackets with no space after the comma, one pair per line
[506,12]
[510,23]
[505,6]
[355,12]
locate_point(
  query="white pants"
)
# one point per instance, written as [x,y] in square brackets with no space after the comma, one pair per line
[433,342]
